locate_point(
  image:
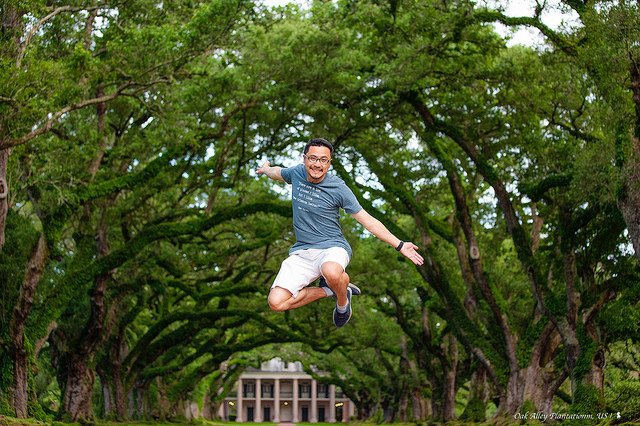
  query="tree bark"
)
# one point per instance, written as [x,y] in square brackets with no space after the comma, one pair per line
[78,388]
[20,383]
[12,28]
[450,369]
[113,389]
[81,377]
[35,269]
[107,395]
[163,399]
[595,376]
[478,396]
[119,392]
[629,202]
[422,409]
[540,379]
[4,194]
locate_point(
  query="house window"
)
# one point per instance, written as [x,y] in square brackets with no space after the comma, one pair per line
[323,390]
[305,390]
[267,390]
[249,390]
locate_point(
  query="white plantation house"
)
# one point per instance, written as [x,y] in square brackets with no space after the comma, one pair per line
[281,391]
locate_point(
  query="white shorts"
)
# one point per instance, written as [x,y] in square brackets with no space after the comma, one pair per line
[305,266]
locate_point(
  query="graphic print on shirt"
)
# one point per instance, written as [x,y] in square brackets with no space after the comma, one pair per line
[307,196]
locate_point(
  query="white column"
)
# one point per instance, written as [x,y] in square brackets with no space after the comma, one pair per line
[295,401]
[276,401]
[258,416]
[314,402]
[345,411]
[332,403]
[223,410]
[240,414]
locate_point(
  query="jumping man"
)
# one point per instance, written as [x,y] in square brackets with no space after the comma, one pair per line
[321,250]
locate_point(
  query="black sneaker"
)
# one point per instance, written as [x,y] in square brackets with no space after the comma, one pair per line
[355,290]
[341,318]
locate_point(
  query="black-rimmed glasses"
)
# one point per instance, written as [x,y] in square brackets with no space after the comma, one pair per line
[314,159]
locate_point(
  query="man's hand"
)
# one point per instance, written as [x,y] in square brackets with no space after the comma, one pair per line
[271,172]
[263,169]
[409,250]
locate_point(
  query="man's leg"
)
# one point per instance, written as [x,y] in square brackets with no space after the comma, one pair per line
[337,279]
[281,299]
[296,272]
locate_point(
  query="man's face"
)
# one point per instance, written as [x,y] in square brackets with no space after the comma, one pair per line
[316,171]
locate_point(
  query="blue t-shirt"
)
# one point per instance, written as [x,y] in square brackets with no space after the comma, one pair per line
[316,210]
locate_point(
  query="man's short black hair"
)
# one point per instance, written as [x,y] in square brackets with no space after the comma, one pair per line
[318,142]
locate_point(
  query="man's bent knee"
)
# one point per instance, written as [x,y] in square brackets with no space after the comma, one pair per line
[332,272]
[277,307]
[279,299]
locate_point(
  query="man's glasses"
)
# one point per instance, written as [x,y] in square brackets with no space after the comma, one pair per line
[314,159]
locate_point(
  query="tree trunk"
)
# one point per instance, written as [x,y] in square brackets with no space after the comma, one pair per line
[450,368]
[540,380]
[35,269]
[163,399]
[422,409]
[4,194]
[119,393]
[108,393]
[107,396]
[137,402]
[115,404]
[12,28]
[142,403]
[78,388]
[595,376]
[207,408]
[20,389]
[478,398]
[389,412]
[80,379]
[629,202]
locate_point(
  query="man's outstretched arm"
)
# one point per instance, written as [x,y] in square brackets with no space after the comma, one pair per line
[271,172]
[376,227]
